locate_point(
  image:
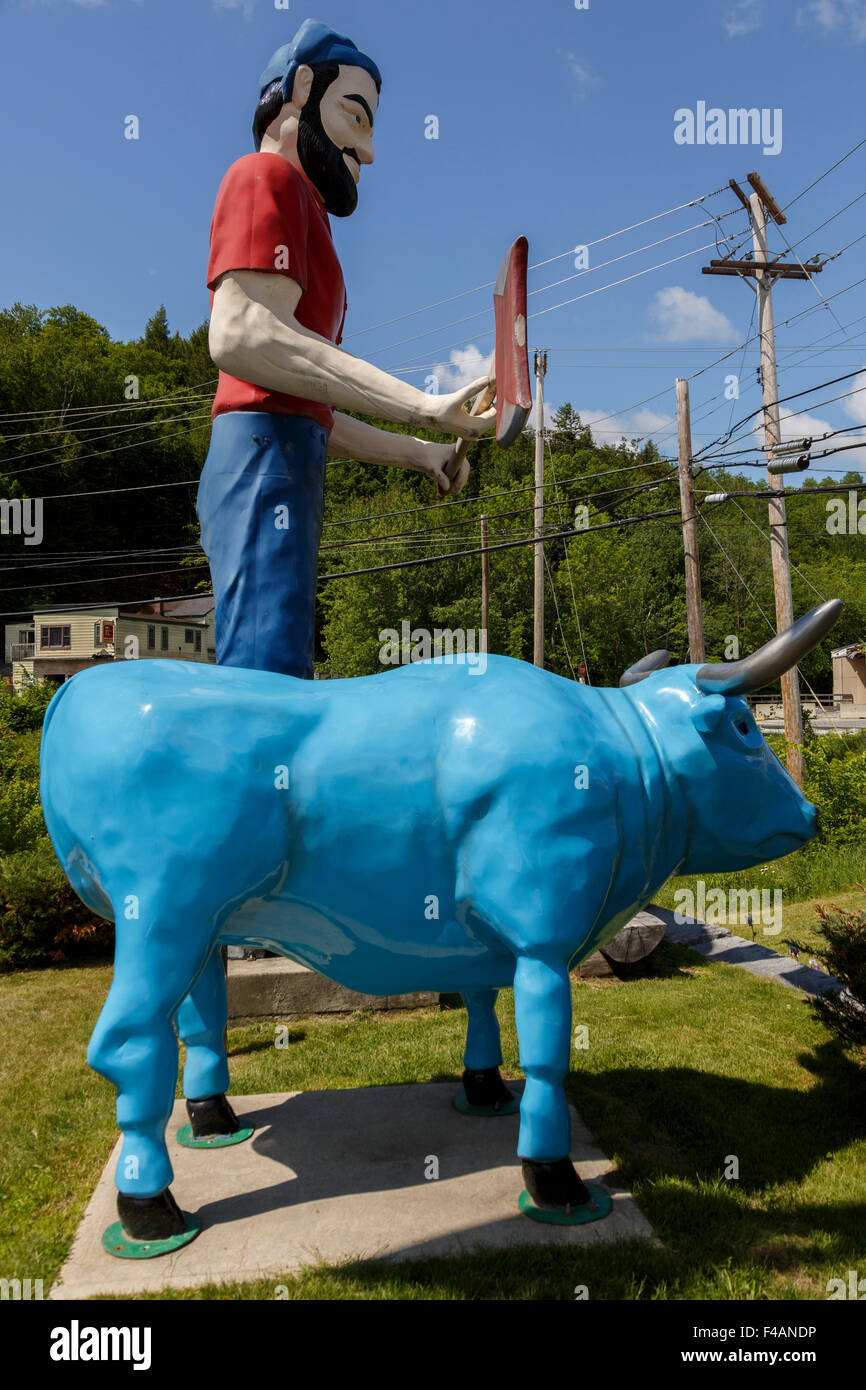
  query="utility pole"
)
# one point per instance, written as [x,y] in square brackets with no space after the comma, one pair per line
[485,583]
[758,205]
[778,520]
[694,607]
[538,585]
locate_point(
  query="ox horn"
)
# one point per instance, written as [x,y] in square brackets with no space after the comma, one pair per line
[645,667]
[774,658]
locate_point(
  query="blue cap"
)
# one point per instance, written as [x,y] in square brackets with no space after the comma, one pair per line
[314,43]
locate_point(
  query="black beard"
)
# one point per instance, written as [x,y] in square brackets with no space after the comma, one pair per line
[322,161]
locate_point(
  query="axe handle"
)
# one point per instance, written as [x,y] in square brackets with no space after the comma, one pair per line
[483,401]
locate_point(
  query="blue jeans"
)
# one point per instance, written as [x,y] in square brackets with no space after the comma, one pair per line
[260,503]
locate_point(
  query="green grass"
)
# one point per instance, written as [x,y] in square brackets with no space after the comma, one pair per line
[818,871]
[799,916]
[682,1070]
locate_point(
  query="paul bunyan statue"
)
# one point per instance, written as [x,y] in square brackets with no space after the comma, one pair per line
[277,314]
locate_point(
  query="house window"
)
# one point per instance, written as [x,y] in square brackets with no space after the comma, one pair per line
[54,637]
[163,639]
[188,636]
[25,636]
[97,634]
[198,641]
[151,637]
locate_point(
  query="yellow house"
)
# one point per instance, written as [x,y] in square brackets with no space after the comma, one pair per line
[55,645]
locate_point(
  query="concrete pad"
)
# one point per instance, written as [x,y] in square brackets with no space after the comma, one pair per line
[336,1176]
[281,988]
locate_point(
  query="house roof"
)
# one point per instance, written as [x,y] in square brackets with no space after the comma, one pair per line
[855,650]
[199,607]
[173,619]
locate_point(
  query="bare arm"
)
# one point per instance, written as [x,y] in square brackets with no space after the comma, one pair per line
[355,439]
[254,336]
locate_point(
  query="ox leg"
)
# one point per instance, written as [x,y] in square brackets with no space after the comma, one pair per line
[201,1023]
[482,1083]
[542,1006]
[134,1046]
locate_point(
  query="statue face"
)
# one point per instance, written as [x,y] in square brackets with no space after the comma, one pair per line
[335,137]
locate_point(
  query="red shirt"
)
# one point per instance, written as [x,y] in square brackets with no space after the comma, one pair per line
[268,216]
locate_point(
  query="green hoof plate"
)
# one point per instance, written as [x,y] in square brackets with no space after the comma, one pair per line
[123,1247]
[600,1205]
[184,1136]
[508,1107]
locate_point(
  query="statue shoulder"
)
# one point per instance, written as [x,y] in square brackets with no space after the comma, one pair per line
[255,167]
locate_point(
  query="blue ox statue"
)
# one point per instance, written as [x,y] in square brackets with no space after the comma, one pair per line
[429,828]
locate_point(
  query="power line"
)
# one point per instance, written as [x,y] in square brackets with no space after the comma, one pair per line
[374,569]
[482,313]
[108,407]
[782,400]
[537,265]
[505,545]
[816,181]
[558,614]
[734,568]
[100,453]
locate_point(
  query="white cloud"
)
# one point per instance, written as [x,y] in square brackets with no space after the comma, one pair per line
[583,80]
[549,413]
[641,424]
[683,317]
[845,18]
[855,405]
[248,6]
[464,366]
[743,18]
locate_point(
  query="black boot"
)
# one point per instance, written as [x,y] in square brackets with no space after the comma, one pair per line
[554,1186]
[486,1088]
[212,1116]
[151,1218]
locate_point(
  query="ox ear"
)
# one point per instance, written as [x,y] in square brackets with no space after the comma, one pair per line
[707,715]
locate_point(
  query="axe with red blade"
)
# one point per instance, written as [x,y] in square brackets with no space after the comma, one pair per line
[511,362]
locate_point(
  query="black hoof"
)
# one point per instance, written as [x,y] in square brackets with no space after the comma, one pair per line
[210,1116]
[554,1186]
[151,1218]
[486,1087]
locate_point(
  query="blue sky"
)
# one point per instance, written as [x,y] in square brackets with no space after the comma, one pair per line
[554,121]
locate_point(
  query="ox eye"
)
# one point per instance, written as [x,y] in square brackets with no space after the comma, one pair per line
[744,728]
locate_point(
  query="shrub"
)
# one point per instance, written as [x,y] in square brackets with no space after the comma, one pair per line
[21,823]
[845,957]
[42,921]
[24,712]
[836,783]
